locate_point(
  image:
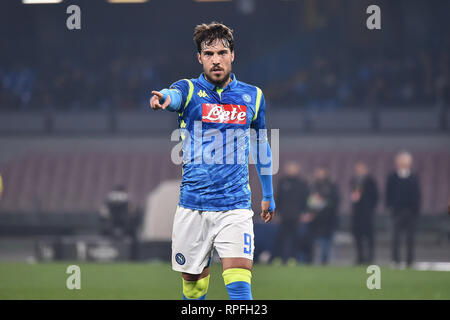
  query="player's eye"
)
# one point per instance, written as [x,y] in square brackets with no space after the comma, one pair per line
[208,53]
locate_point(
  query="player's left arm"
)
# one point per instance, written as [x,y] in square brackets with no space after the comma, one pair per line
[262,156]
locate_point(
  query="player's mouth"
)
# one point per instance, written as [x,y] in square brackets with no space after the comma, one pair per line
[217,72]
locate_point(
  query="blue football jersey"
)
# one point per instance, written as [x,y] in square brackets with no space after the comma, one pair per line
[215,124]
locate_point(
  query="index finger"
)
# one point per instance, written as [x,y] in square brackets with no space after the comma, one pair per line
[154,102]
[157,93]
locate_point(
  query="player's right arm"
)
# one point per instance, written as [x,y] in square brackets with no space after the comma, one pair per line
[172,99]
[166,98]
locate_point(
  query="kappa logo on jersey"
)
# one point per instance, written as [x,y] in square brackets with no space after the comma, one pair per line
[202,94]
[224,113]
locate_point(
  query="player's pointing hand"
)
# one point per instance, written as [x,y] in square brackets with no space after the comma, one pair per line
[156,100]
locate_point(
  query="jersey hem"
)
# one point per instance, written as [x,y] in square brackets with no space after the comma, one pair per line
[186,206]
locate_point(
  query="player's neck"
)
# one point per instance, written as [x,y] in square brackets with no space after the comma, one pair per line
[226,82]
[221,84]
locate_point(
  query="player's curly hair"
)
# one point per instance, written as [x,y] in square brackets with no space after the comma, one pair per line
[208,33]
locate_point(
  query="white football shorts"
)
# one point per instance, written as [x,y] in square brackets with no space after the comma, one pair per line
[196,234]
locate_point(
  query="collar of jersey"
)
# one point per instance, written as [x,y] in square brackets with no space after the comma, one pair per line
[211,86]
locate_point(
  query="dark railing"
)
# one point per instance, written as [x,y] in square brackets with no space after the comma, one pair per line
[290,120]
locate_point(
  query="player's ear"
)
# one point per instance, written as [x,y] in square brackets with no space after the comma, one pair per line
[232,56]
[199,57]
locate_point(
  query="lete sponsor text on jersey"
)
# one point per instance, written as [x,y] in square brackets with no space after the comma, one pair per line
[224,113]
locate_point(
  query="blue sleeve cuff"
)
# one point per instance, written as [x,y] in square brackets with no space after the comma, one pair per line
[175,99]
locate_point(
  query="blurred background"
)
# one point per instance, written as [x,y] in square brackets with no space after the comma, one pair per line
[86,165]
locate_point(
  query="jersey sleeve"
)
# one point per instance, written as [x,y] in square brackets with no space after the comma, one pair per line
[259,119]
[181,86]
[260,149]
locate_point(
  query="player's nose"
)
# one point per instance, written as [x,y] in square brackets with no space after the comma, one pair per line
[216,60]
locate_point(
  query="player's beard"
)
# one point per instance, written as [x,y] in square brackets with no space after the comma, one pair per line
[218,82]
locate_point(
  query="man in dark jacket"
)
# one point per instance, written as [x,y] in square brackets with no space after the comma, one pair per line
[364,199]
[118,215]
[323,204]
[403,202]
[291,202]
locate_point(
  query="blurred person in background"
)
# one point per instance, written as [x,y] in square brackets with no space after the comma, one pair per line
[118,215]
[364,197]
[403,203]
[305,237]
[322,207]
[291,198]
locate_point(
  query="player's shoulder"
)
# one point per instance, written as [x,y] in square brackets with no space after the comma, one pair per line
[250,92]
[246,86]
[185,82]
[254,92]
[186,86]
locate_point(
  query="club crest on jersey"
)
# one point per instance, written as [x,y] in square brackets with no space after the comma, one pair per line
[224,113]
[247,97]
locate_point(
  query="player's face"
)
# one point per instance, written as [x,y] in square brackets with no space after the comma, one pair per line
[216,60]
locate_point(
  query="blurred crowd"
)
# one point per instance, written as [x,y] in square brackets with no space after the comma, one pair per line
[419,80]
[123,82]
[307,212]
[313,54]
[119,83]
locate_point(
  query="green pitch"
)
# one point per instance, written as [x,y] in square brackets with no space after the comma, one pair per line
[158,281]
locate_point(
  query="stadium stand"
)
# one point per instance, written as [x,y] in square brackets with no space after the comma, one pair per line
[77,181]
[99,72]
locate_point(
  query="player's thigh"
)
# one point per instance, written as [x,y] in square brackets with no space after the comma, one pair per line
[195,277]
[191,242]
[243,263]
[235,236]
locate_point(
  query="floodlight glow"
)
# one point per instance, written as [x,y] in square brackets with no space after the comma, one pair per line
[40,1]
